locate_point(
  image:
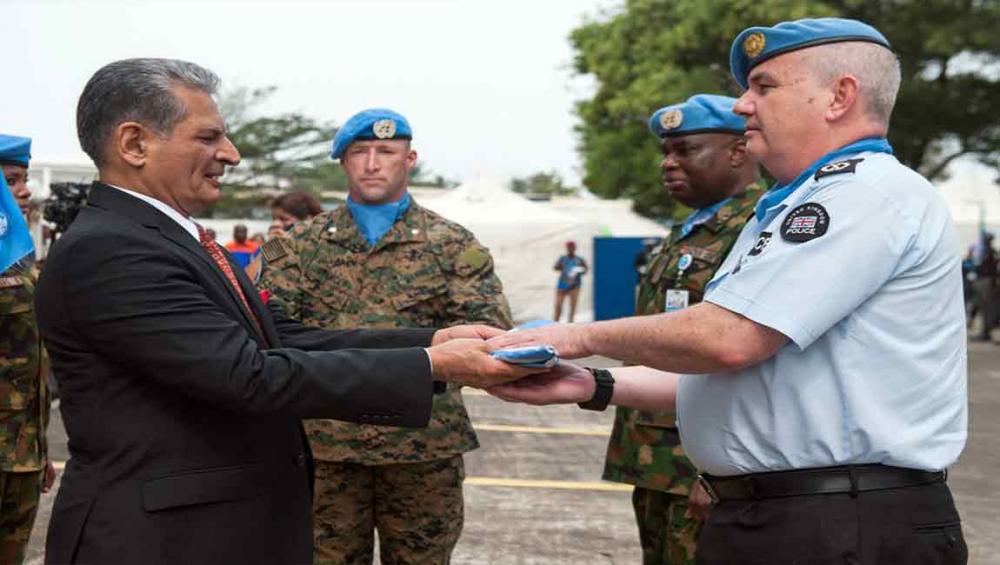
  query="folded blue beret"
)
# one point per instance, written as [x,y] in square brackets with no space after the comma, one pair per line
[537,356]
[15,150]
[373,123]
[702,113]
[757,44]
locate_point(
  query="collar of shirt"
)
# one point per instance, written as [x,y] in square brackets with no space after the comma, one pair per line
[780,192]
[700,216]
[186,223]
[374,220]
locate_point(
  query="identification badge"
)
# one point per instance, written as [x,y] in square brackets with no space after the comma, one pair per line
[684,262]
[676,300]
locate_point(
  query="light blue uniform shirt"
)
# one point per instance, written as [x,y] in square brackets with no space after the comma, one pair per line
[875,371]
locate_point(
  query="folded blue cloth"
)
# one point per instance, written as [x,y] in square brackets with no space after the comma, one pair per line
[537,356]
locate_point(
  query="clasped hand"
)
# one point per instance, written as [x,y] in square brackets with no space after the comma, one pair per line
[461,355]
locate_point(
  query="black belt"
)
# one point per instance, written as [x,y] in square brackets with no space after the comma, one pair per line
[825,480]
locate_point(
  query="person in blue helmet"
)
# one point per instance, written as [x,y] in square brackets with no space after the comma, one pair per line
[25,471]
[821,386]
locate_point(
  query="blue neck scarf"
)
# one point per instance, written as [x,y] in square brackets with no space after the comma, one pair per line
[374,220]
[699,217]
[780,192]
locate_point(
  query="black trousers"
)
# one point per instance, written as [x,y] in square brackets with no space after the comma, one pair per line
[903,526]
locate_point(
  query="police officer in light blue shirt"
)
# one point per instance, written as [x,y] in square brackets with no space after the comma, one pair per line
[824,393]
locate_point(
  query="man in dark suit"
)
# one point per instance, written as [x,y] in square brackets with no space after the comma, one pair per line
[181,390]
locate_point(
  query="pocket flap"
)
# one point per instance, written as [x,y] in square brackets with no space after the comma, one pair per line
[201,487]
[418,294]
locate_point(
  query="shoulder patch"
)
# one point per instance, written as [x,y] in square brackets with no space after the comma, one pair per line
[805,222]
[274,249]
[837,168]
[474,258]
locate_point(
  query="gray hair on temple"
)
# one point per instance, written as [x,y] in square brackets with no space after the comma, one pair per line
[138,90]
[875,67]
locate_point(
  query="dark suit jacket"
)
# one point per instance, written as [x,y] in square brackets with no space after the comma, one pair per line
[183,427]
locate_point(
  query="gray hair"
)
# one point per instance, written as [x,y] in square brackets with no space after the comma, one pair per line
[139,90]
[875,67]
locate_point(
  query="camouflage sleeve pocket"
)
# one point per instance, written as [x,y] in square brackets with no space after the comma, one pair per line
[17,379]
[417,293]
[474,259]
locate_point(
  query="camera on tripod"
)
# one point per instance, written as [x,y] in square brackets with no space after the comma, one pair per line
[67,199]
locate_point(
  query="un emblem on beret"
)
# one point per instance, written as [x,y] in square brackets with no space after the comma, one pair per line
[754,44]
[384,129]
[672,119]
[3,224]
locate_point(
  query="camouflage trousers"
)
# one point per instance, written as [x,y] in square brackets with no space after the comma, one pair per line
[417,509]
[19,494]
[668,536]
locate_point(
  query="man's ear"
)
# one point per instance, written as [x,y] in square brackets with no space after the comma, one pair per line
[131,143]
[411,158]
[738,153]
[845,96]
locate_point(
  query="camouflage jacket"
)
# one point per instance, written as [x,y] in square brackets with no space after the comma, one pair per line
[645,448]
[24,398]
[426,272]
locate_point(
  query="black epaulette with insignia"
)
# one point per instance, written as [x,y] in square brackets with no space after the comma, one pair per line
[274,249]
[837,168]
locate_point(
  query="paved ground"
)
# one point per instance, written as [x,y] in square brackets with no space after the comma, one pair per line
[533,494]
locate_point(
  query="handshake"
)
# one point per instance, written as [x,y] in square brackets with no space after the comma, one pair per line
[463,355]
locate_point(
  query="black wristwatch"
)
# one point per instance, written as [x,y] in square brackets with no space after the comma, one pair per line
[602,392]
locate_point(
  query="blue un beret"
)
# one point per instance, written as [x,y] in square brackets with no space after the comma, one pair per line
[757,44]
[15,150]
[702,113]
[373,123]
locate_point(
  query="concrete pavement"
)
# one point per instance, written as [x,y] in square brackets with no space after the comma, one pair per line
[533,494]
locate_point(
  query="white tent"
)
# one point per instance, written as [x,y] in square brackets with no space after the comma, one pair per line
[970,193]
[527,237]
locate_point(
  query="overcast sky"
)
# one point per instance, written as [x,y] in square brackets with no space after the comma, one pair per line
[486,85]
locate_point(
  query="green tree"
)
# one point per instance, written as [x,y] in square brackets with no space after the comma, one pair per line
[541,183]
[288,151]
[651,53]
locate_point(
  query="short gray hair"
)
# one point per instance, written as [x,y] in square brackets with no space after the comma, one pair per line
[875,67]
[139,90]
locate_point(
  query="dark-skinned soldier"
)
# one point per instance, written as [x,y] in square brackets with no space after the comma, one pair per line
[704,167]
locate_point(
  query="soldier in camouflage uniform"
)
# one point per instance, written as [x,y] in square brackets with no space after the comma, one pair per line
[24,403]
[705,166]
[383,261]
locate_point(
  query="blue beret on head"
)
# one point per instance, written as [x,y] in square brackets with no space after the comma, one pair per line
[15,150]
[373,123]
[757,44]
[702,113]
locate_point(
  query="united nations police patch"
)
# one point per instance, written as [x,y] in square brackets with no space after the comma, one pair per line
[806,222]
[761,245]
